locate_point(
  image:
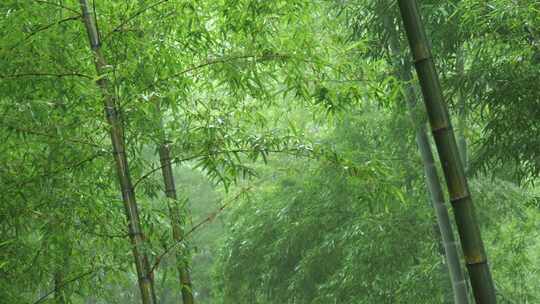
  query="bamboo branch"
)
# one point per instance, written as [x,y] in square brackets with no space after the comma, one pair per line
[216,61]
[137,14]
[44,28]
[64,284]
[208,219]
[180,160]
[74,279]
[40,74]
[69,167]
[57,5]
[33,132]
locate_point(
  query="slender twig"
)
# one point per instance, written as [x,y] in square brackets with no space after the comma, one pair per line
[110,236]
[176,160]
[208,219]
[40,74]
[44,28]
[216,61]
[33,132]
[69,167]
[64,284]
[130,18]
[90,272]
[57,5]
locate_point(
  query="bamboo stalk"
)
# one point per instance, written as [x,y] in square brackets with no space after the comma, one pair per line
[450,246]
[457,277]
[145,278]
[174,214]
[460,197]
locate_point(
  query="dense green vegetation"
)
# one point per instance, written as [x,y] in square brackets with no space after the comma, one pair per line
[248,151]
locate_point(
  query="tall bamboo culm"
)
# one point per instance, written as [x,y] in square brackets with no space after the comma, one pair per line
[460,197]
[450,246]
[145,277]
[174,214]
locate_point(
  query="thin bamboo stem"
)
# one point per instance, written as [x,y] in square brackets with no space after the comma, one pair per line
[174,214]
[145,277]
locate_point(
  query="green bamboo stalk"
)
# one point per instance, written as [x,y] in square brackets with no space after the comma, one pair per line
[145,277]
[457,277]
[174,214]
[460,197]
[450,246]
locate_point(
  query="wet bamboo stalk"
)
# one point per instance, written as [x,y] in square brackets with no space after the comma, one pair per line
[174,213]
[450,246]
[145,277]
[460,197]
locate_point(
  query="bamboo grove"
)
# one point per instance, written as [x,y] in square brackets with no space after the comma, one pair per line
[246,151]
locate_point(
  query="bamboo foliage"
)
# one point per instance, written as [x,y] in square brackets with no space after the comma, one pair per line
[145,278]
[460,197]
[305,97]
